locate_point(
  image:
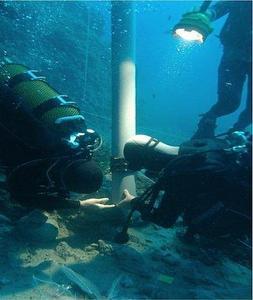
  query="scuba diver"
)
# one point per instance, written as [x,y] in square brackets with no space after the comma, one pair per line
[207,181]
[235,65]
[46,146]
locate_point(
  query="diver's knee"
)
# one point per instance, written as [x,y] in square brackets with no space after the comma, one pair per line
[142,151]
[134,151]
[228,104]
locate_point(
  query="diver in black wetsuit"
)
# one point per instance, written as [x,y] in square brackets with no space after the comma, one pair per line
[208,181]
[235,66]
[45,145]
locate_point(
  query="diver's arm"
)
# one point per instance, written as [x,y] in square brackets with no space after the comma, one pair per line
[219,9]
[65,204]
[47,202]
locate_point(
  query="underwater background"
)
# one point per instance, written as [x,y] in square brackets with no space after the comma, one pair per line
[69,43]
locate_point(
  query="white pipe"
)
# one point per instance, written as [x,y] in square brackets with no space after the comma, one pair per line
[123,90]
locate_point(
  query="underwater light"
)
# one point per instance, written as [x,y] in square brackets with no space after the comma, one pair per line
[192,35]
[194,26]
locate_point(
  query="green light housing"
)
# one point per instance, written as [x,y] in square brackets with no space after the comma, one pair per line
[193,26]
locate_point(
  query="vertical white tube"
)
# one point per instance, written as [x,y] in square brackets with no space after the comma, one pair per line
[123,90]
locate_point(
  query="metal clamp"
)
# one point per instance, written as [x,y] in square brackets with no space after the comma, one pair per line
[25,76]
[118,164]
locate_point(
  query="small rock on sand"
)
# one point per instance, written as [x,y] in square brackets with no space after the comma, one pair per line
[37,227]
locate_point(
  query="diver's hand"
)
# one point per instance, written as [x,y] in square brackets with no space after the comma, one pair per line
[125,203]
[94,205]
[97,210]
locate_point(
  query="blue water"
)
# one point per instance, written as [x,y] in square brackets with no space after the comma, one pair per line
[176,81]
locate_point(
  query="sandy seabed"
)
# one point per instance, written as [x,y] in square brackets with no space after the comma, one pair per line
[85,262]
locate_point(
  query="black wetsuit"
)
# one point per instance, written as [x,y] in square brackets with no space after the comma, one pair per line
[27,167]
[210,185]
[235,65]
[32,187]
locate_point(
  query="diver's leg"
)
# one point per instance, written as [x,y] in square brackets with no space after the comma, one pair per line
[231,76]
[245,118]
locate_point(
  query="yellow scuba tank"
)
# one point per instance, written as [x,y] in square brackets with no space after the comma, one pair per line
[36,113]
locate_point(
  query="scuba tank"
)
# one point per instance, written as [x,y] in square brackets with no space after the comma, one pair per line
[35,115]
[44,134]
